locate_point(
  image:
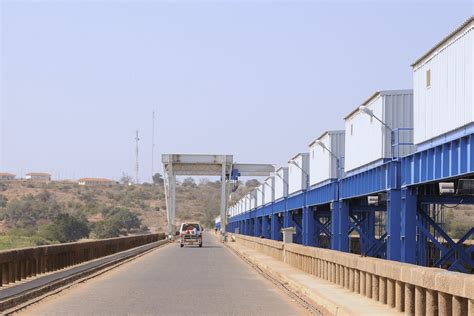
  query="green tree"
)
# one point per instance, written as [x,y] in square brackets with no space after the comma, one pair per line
[66,228]
[106,229]
[189,182]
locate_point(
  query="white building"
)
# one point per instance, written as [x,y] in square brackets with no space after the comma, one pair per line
[443,87]
[269,190]
[38,176]
[326,154]
[259,193]
[7,176]
[298,173]
[281,183]
[96,182]
[368,133]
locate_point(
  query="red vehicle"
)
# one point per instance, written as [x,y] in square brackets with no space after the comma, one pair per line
[190,234]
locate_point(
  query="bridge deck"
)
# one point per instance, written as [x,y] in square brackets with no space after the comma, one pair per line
[214,282]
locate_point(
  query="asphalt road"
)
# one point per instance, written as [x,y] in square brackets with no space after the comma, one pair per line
[174,281]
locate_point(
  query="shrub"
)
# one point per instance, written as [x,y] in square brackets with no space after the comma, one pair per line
[65,228]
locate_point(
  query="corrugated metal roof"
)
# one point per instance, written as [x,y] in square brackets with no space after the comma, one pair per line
[297,155]
[40,174]
[463,26]
[376,94]
[324,134]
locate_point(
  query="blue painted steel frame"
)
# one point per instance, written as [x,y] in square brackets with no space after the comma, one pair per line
[379,179]
[452,159]
[399,179]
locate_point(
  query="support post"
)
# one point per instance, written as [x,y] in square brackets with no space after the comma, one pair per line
[408,225]
[308,227]
[340,226]
[393,224]
[334,226]
[266,222]
[275,227]
[223,197]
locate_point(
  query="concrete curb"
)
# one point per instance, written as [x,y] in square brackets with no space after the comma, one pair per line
[30,296]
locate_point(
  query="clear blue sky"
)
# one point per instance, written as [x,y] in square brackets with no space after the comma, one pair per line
[259,80]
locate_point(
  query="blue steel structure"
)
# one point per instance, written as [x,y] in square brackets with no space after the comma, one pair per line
[402,226]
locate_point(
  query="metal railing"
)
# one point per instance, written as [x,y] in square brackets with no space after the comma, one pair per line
[19,264]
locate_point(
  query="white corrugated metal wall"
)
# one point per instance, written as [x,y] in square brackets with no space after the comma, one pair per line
[448,103]
[281,183]
[363,137]
[296,176]
[323,166]
[367,140]
[269,190]
[260,193]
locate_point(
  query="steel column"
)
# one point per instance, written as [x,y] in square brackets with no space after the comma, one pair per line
[308,227]
[408,225]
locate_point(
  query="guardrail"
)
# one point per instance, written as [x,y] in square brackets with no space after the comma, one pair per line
[19,264]
[409,288]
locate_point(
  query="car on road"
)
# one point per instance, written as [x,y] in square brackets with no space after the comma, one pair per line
[190,234]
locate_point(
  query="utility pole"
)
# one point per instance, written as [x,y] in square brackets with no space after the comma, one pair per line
[137,169]
[153,146]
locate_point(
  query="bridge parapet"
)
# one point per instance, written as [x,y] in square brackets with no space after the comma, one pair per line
[409,288]
[19,264]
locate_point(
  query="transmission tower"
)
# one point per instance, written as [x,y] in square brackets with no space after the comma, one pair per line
[137,167]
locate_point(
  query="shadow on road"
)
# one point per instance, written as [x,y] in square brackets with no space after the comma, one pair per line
[203,246]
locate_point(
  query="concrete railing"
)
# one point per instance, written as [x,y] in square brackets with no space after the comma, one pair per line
[266,246]
[19,264]
[412,289]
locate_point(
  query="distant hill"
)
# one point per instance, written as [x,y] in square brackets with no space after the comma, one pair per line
[26,208]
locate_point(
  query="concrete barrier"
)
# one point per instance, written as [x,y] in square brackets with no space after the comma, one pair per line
[19,264]
[409,288]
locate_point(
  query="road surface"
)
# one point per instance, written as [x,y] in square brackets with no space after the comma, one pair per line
[174,281]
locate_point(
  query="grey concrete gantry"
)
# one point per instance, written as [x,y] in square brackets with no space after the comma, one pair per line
[205,165]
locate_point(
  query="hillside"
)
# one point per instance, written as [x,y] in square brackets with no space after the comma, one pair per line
[29,211]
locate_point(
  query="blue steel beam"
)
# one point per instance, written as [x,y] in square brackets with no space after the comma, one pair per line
[378,179]
[449,160]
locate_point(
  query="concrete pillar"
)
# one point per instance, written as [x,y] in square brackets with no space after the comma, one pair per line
[342,279]
[431,303]
[351,280]
[420,301]
[460,306]
[399,296]
[362,282]
[346,277]
[409,299]
[375,287]
[383,290]
[470,306]
[288,233]
[357,281]
[445,304]
[368,285]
